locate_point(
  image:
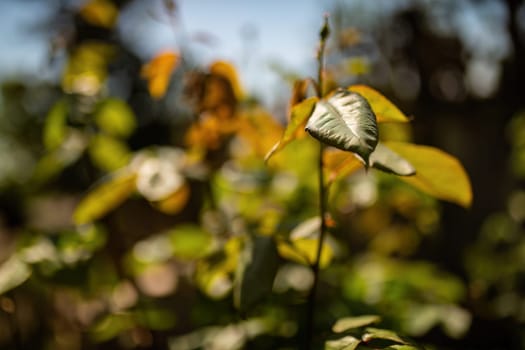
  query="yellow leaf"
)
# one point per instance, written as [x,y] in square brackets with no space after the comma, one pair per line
[303,244]
[105,197]
[299,117]
[158,72]
[384,110]
[304,251]
[227,70]
[175,202]
[259,130]
[437,173]
[102,13]
[299,91]
[209,132]
[339,164]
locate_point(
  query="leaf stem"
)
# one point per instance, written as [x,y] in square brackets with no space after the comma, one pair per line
[310,311]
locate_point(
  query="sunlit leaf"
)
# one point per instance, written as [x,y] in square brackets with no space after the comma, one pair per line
[210,132]
[158,72]
[105,197]
[346,323]
[175,202]
[303,244]
[259,130]
[299,115]
[189,241]
[384,110]
[388,161]
[261,261]
[102,13]
[402,347]
[227,70]
[345,121]
[13,272]
[338,164]
[372,334]
[55,128]
[108,153]
[437,173]
[345,343]
[115,118]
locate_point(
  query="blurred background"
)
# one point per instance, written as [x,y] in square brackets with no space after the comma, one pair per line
[122,90]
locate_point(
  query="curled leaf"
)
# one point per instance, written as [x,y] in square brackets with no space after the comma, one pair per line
[345,121]
[383,158]
[384,110]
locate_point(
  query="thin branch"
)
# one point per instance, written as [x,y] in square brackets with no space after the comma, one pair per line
[310,312]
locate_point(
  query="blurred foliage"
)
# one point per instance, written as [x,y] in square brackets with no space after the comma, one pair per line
[155,203]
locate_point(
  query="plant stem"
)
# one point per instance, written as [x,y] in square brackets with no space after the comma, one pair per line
[310,311]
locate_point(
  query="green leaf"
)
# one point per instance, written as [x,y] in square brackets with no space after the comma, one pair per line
[52,163]
[115,118]
[299,116]
[55,128]
[260,267]
[346,323]
[108,153]
[345,343]
[190,241]
[110,326]
[376,334]
[384,110]
[345,121]
[403,347]
[105,197]
[437,173]
[13,272]
[383,158]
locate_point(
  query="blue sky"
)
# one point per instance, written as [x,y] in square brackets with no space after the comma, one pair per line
[284,31]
